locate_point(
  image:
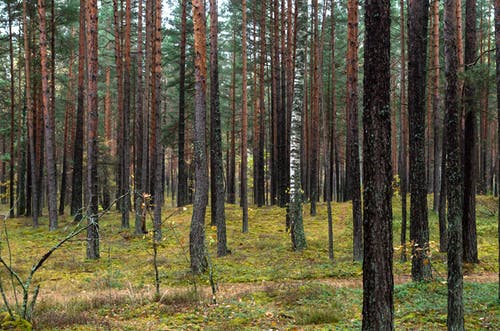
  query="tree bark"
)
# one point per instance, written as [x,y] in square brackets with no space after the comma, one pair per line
[417,56]
[217,167]
[244,121]
[50,153]
[296,195]
[403,132]
[182,186]
[197,233]
[157,157]
[314,171]
[92,133]
[140,222]
[435,106]
[353,186]
[77,179]
[470,141]
[453,171]
[12,114]
[378,284]
[497,59]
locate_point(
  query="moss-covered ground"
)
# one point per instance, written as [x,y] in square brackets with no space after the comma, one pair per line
[263,284]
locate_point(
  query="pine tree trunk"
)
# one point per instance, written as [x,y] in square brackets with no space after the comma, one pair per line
[497,60]
[140,224]
[403,118]
[77,179]
[182,186]
[314,171]
[92,147]
[50,153]
[217,167]
[157,157]
[353,185]
[378,284]
[127,91]
[435,107]
[30,110]
[231,173]
[12,114]
[67,125]
[244,122]
[454,180]
[197,233]
[417,56]
[470,140]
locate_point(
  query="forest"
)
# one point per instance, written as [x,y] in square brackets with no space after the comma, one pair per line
[249,165]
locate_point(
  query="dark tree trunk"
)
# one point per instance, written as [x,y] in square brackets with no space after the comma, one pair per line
[497,58]
[244,122]
[197,233]
[77,179]
[353,185]
[157,157]
[378,285]
[403,125]
[217,167]
[30,110]
[125,133]
[48,116]
[12,108]
[231,173]
[417,55]
[314,137]
[182,184]
[92,148]
[260,190]
[470,140]
[454,180]
[67,130]
[140,224]
[435,107]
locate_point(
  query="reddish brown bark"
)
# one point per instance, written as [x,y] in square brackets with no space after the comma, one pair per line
[50,153]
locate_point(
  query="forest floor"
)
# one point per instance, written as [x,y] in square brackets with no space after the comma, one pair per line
[262,284]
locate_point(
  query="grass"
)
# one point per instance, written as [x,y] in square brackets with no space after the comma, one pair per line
[263,284]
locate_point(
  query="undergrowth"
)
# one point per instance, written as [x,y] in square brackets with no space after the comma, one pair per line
[263,284]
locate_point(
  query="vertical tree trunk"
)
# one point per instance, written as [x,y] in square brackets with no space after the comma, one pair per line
[157,157]
[92,148]
[217,167]
[30,110]
[127,91]
[470,140]
[417,56]
[231,174]
[314,171]
[182,187]
[435,106]
[244,121]
[12,108]
[77,179]
[378,285]
[67,125]
[262,109]
[453,171]
[140,224]
[403,125]
[295,210]
[50,153]
[497,59]
[352,188]
[197,233]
